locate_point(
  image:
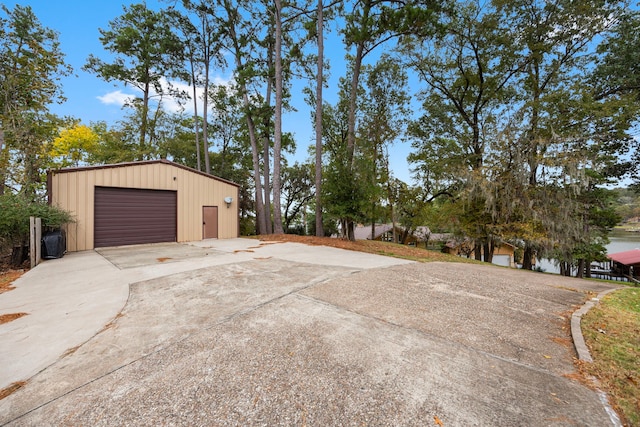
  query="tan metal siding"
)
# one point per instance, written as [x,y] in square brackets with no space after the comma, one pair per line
[73,191]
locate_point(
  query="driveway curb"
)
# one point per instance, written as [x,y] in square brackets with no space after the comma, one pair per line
[585,355]
[576,331]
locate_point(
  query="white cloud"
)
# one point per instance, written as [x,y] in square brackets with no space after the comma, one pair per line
[172,105]
[115,98]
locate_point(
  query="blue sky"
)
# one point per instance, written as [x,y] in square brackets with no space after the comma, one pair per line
[91,99]
[77,23]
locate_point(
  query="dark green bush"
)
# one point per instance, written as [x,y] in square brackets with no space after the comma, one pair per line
[15,211]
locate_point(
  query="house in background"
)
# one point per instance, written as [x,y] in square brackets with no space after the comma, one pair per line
[503,254]
[382,232]
[143,202]
[421,236]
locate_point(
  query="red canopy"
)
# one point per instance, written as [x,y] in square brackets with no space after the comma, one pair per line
[627,257]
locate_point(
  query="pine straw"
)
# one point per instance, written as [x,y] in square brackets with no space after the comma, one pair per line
[370,246]
[7,391]
[7,278]
[6,318]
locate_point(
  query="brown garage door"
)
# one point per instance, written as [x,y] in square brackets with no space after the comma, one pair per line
[127,216]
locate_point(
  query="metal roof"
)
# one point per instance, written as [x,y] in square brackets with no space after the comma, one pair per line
[364,232]
[141,163]
[627,257]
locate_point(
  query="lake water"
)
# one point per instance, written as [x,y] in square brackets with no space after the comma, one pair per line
[620,241]
[623,241]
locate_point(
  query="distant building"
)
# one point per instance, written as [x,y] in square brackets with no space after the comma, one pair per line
[503,253]
[382,232]
[626,264]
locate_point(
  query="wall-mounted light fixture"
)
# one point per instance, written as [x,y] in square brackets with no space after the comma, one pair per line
[228,201]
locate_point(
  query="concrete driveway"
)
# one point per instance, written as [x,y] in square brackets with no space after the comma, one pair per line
[238,332]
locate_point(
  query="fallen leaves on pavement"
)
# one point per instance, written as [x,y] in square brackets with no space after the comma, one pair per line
[7,278]
[6,318]
[7,391]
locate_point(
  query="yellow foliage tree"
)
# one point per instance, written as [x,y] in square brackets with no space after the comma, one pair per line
[73,146]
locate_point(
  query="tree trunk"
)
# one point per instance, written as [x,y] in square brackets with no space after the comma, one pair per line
[351,235]
[31,166]
[277,138]
[393,224]
[581,268]
[195,110]
[266,159]
[566,271]
[260,214]
[266,178]
[353,97]
[373,230]
[527,258]
[319,83]
[4,163]
[238,53]
[205,124]
[533,137]
[477,250]
[144,121]
[373,213]
[19,254]
[488,249]
[223,158]
[405,236]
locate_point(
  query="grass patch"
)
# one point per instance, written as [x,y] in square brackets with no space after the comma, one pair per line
[612,332]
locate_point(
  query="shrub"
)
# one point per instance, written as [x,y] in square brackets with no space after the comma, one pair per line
[15,211]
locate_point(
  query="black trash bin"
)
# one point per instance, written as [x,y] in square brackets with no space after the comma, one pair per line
[54,244]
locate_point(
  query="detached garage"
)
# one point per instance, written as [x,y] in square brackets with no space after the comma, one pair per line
[143,202]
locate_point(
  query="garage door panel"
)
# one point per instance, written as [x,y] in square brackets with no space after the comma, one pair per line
[126,216]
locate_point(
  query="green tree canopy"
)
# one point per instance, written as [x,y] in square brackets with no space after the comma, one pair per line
[31,64]
[148,54]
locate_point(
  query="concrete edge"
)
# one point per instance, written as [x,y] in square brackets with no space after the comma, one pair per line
[576,330]
[585,355]
[70,351]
